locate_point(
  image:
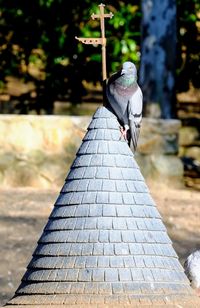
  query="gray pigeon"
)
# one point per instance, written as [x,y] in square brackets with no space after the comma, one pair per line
[192,270]
[125,98]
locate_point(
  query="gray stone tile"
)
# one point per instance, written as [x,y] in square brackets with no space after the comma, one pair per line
[95,185]
[92,147]
[128,198]
[128,174]
[113,147]
[108,249]
[112,124]
[85,275]
[115,173]
[89,197]
[109,161]
[102,197]
[131,224]
[103,262]
[116,135]
[123,211]
[119,223]
[104,288]
[132,288]
[115,236]
[96,210]
[90,135]
[131,186]
[151,212]
[96,160]
[141,224]
[100,134]
[136,248]
[128,237]
[103,236]
[87,249]
[64,199]
[121,186]
[105,223]
[80,262]
[72,274]
[100,123]
[98,275]
[121,249]
[144,199]
[82,161]
[91,288]
[137,274]
[108,185]
[124,161]
[76,198]
[124,274]
[148,261]
[102,173]
[83,236]
[98,249]
[140,236]
[139,262]
[91,262]
[111,274]
[83,148]
[116,262]
[141,187]
[78,173]
[91,223]
[118,288]
[115,198]
[70,186]
[103,147]
[77,288]
[128,261]
[90,172]
[108,134]
[94,236]
[109,210]
[76,249]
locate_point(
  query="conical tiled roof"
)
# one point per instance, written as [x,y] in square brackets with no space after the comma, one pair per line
[105,242]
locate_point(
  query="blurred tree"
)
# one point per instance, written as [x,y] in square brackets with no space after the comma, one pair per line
[37,44]
[41,33]
[158,61]
[188,61]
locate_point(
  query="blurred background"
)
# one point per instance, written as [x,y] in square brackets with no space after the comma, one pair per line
[50,85]
[45,71]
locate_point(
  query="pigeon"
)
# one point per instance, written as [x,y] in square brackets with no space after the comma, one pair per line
[124,96]
[192,270]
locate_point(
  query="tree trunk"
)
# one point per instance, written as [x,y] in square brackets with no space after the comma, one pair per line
[158,56]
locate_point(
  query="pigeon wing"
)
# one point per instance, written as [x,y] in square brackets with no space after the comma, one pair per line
[135,115]
[117,102]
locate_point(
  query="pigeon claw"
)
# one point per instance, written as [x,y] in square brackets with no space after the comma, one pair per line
[123,132]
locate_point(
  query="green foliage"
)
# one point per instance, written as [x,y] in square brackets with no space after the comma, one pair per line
[42,33]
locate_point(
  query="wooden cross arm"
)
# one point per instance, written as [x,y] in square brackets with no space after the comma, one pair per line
[94,16]
[92,41]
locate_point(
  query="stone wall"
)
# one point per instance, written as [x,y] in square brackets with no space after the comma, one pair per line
[189,141]
[37,151]
[158,149]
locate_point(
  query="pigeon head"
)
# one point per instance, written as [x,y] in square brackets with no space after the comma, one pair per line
[129,70]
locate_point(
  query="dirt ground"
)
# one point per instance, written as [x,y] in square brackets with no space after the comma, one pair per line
[24,212]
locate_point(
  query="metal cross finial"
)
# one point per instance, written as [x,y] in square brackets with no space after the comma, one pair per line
[102,40]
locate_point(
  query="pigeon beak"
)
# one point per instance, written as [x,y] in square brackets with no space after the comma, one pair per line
[123,72]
